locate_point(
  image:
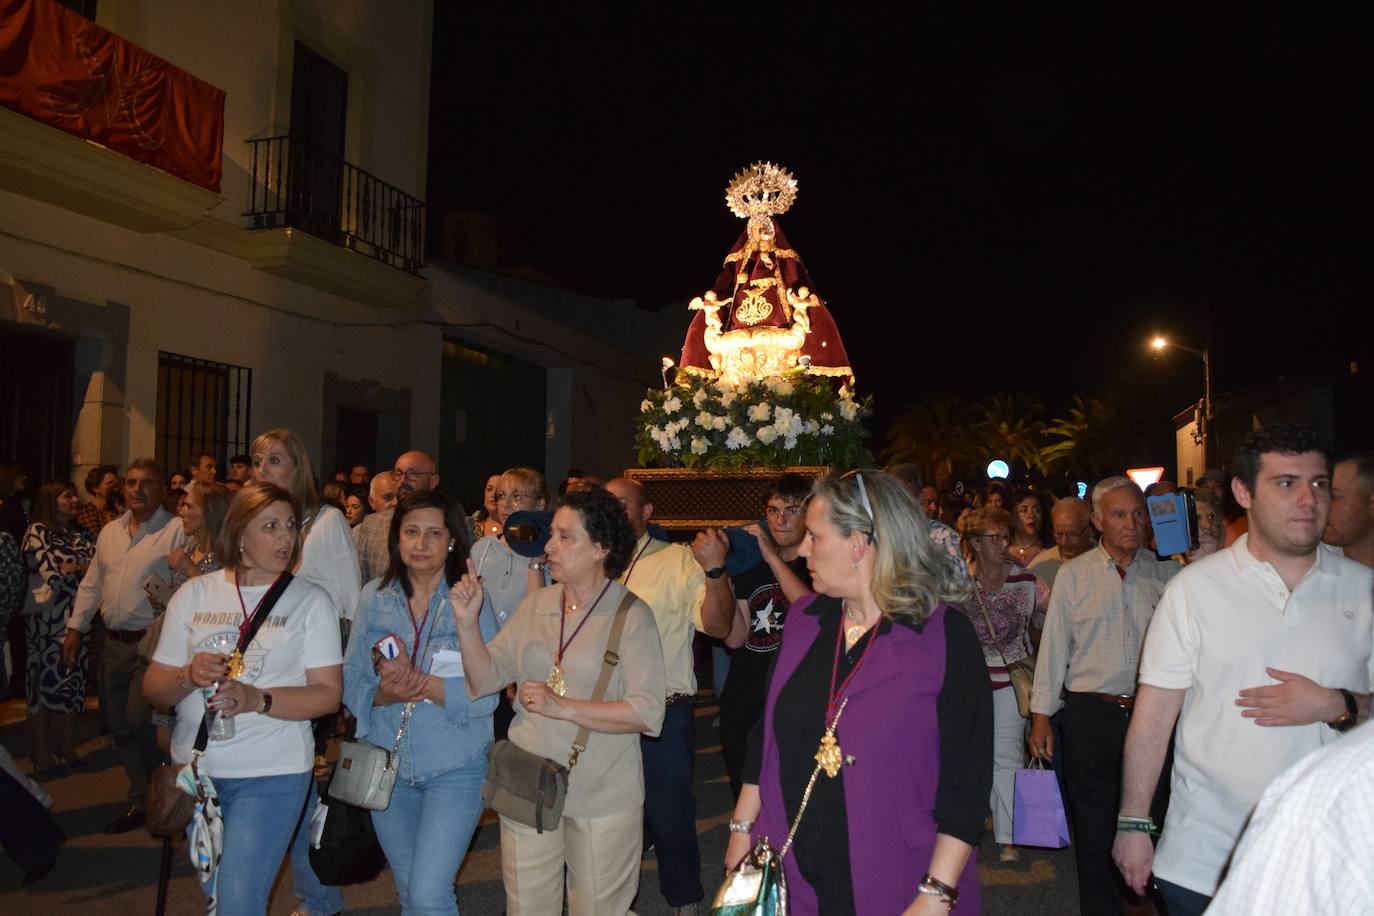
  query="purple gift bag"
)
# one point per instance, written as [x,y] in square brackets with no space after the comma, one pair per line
[1038,817]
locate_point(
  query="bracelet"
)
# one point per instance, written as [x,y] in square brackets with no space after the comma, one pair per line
[741,826]
[933,887]
[1129,823]
[184,677]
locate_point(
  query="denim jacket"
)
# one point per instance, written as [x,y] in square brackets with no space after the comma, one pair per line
[438,738]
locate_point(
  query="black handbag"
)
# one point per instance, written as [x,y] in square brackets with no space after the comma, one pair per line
[530,789]
[349,852]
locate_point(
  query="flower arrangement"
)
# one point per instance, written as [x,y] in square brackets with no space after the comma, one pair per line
[778,421]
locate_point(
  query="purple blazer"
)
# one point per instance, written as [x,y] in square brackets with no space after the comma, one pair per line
[891,729]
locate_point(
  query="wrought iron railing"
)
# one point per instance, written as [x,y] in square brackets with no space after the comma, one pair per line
[300,186]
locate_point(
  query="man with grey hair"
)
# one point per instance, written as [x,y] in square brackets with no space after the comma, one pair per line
[381,493]
[1073,536]
[1099,611]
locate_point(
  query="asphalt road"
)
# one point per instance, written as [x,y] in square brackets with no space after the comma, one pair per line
[98,874]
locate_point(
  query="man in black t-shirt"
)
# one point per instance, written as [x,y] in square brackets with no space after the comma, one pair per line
[762,596]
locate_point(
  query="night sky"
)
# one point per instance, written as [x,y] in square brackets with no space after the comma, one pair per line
[989,200]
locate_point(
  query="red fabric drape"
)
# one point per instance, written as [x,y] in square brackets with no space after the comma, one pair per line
[69,73]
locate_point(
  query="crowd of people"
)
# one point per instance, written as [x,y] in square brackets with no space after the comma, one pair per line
[890,655]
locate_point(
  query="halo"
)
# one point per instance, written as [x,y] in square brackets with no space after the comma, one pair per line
[762,190]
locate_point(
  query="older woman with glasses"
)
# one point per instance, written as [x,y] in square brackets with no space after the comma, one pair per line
[1007,611]
[875,742]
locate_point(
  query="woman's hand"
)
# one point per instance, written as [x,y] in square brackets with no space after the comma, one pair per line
[926,905]
[736,849]
[538,697]
[466,598]
[400,683]
[234,698]
[179,561]
[208,668]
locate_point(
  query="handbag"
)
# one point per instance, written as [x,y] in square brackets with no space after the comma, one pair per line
[348,851]
[1021,672]
[169,805]
[757,886]
[1038,813]
[530,789]
[365,773]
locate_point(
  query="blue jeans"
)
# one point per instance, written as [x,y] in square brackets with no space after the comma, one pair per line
[720,666]
[316,899]
[425,833]
[670,806]
[259,815]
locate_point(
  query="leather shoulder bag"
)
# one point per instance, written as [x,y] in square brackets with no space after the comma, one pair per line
[169,808]
[1021,672]
[530,789]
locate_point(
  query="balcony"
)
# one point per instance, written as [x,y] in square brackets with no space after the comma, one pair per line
[298,186]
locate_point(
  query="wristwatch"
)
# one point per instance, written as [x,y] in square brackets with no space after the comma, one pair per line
[1346,720]
[266,703]
[715,573]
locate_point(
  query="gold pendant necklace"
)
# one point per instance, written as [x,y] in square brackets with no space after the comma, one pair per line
[556,681]
[234,669]
[829,756]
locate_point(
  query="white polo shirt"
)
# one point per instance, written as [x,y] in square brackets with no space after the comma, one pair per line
[1220,623]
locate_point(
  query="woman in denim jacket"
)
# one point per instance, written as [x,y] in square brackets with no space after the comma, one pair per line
[438,794]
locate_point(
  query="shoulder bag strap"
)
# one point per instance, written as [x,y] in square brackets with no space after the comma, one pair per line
[992,633]
[410,707]
[269,601]
[608,663]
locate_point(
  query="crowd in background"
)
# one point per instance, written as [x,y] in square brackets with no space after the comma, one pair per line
[140,591]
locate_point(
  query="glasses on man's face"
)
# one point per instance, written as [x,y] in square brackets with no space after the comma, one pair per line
[782,511]
[410,475]
[1070,535]
[514,496]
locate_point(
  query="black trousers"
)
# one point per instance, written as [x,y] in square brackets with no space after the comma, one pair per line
[1093,735]
[27,831]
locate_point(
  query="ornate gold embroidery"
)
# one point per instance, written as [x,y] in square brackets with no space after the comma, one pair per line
[755,308]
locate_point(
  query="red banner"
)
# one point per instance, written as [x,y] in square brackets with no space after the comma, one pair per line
[68,72]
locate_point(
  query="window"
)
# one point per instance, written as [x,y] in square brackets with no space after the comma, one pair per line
[202,406]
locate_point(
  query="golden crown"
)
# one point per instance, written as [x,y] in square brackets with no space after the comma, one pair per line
[762,190]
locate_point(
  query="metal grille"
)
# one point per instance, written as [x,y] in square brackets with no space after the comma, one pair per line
[202,406]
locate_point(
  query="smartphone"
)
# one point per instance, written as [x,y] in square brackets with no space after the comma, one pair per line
[158,590]
[1174,519]
[386,647]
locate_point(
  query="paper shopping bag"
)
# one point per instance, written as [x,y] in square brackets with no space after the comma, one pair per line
[1038,816]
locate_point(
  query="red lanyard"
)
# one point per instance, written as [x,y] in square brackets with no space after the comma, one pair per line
[835,668]
[419,627]
[563,619]
[625,579]
[248,618]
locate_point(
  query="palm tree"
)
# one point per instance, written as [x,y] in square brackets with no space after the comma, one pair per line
[1102,434]
[932,433]
[1010,426]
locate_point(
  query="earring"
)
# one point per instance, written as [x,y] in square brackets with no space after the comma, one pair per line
[450,547]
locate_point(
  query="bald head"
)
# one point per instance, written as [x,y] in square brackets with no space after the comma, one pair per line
[632,495]
[381,494]
[1072,532]
[414,472]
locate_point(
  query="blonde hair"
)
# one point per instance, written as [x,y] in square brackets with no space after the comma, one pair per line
[911,575]
[214,501]
[531,478]
[303,478]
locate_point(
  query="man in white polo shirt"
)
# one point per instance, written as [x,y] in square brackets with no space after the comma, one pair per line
[1262,653]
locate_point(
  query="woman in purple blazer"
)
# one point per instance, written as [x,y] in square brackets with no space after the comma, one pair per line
[881,683]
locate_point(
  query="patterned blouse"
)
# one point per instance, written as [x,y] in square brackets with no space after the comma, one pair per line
[1012,609]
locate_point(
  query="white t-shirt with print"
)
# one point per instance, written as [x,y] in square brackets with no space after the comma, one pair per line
[301,632]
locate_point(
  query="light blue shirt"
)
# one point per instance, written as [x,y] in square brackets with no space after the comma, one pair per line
[504,575]
[438,738]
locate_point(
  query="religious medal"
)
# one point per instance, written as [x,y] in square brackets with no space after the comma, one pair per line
[235,665]
[828,758]
[556,682]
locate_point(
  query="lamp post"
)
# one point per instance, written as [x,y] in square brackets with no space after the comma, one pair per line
[1204,423]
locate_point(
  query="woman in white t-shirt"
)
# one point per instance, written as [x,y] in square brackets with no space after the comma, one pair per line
[292,672]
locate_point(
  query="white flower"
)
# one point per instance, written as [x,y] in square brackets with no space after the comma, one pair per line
[827,430]
[672,405]
[783,417]
[812,426]
[681,424]
[727,397]
[700,397]
[646,405]
[718,423]
[848,409]
[698,445]
[760,411]
[783,388]
[704,419]
[827,415]
[789,443]
[674,444]
[767,434]
[737,439]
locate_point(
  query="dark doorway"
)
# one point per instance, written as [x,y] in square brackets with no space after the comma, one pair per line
[355,441]
[491,417]
[36,404]
[319,107]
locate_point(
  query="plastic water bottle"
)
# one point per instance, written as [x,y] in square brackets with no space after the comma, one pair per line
[221,729]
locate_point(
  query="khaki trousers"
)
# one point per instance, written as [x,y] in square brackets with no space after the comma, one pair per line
[602,857]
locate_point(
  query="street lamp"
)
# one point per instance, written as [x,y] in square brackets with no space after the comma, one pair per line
[1204,423]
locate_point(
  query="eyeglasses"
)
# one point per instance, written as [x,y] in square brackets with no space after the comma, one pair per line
[1066,535]
[784,512]
[410,475]
[514,496]
[1001,538]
